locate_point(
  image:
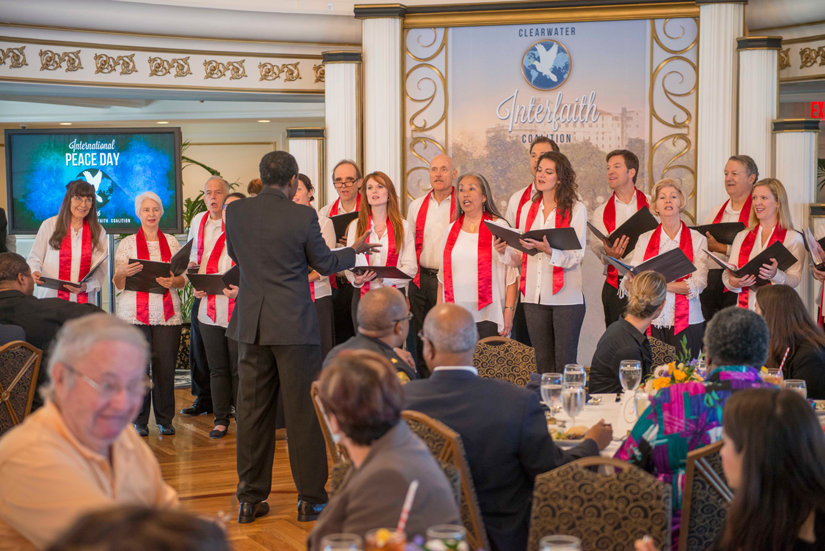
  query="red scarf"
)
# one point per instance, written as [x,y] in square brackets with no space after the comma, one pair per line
[558,273]
[744,214]
[420,220]
[142,298]
[212,268]
[333,210]
[778,234]
[609,219]
[392,254]
[525,196]
[682,310]
[484,258]
[64,266]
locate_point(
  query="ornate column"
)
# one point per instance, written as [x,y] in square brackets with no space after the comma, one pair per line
[758,97]
[382,49]
[342,118]
[719,25]
[307,146]
[795,167]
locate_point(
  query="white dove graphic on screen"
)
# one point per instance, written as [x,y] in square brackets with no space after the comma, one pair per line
[546,60]
[95,181]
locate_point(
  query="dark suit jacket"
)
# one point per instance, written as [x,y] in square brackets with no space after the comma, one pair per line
[372,495]
[362,342]
[505,436]
[808,363]
[273,241]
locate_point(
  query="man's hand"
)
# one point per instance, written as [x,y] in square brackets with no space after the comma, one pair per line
[76,290]
[36,277]
[601,433]
[231,292]
[361,246]
[714,246]
[359,280]
[619,247]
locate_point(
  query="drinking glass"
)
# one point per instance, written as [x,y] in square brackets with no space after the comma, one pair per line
[342,542]
[797,385]
[447,536]
[560,543]
[630,374]
[385,539]
[575,374]
[572,397]
[773,376]
[551,391]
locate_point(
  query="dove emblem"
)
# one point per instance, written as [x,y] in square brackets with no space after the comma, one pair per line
[95,181]
[546,65]
[545,60]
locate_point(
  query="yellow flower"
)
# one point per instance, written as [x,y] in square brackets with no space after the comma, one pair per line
[660,383]
[679,375]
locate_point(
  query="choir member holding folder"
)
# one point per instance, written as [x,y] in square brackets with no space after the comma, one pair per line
[380,217]
[770,222]
[551,281]
[156,315]
[682,312]
[472,273]
[69,244]
[214,312]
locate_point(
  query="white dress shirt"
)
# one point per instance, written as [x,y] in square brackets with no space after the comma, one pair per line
[46,260]
[512,205]
[221,301]
[406,256]
[729,215]
[623,212]
[341,210]
[321,286]
[438,219]
[539,283]
[211,233]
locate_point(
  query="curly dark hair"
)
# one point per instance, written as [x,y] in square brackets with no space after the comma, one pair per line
[567,188]
[737,336]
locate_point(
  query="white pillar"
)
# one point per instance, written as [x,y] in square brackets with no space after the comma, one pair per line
[719,25]
[307,146]
[796,154]
[381,42]
[342,108]
[758,97]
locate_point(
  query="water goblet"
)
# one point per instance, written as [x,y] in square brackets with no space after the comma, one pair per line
[575,374]
[572,397]
[342,542]
[551,391]
[560,543]
[797,385]
[630,374]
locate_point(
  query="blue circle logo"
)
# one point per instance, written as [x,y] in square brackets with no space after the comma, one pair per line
[103,184]
[546,65]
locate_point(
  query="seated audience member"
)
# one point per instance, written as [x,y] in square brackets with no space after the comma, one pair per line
[383,323]
[736,341]
[502,426]
[363,400]
[774,460]
[792,329]
[77,453]
[40,318]
[138,528]
[254,188]
[626,338]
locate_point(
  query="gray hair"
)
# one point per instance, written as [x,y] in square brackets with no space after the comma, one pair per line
[455,333]
[219,179]
[144,196]
[737,336]
[489,204]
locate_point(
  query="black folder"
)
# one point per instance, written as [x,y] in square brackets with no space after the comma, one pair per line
[214,284]
[144,280]
[673,264]
[384,272]
[724,232]
[633,227]
[783,256]
[57,284]
[341,221]
[564,239]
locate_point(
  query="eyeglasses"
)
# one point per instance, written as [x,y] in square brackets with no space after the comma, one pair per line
[108,389]
[408,317]
[82,199]
[345,182]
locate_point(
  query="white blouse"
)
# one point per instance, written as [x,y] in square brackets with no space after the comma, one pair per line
[623,212]
[45,259]
[211,232]
[696,282]
[539,283]
[793,242]
[321,286]
[464,261]
[127,300]
[437,220]
[221,301]
[406,256]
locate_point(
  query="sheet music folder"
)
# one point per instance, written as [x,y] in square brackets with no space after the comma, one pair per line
[642,221]
[673,264]
[783,257]
[144,280]
[808,240]
[724,232]
[564,239]
[214,284]
[384,272]
[341,221]
[57,284]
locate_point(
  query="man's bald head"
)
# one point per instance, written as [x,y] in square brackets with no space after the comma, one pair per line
[451,329]
[380,309]
[442,173]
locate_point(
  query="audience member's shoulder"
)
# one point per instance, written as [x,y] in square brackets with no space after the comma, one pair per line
[31,438]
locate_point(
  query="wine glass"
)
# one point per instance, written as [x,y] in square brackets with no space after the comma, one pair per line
[560,543]
[551,391]
[342,542]
[447,536]
[630,374]
[572,398]
[575,374]
[797,385]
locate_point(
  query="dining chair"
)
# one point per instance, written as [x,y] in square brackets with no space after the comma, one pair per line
[608,508]
[504,359]
[661,352]
[336,451]
[445,445]
[705,498]
[19,366]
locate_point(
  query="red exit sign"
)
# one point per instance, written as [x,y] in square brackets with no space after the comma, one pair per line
[818,109]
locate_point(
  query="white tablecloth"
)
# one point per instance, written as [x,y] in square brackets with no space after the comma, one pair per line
[621,415]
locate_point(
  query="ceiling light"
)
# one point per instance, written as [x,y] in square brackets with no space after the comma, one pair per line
[264,120]
[65,124]
[163,122]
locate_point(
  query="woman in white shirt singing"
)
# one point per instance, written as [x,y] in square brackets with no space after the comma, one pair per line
[770,221]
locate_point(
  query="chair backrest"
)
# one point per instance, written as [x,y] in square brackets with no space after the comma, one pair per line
[336,452]
[604,510]
[19,366]
[661,352]
[445,445]
[704,499]
[10,332]
[504,359]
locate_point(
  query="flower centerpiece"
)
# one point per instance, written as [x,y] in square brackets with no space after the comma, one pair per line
[682,370]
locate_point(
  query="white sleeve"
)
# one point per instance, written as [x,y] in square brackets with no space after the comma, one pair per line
[95,283]
[41,244]
[327,231]
[512,208]
[597,220]
[698,280]
[406,259]
[733,258]
[193,234]
[638,258]
[124,250]
[793,275]
[360,259]
[568,259]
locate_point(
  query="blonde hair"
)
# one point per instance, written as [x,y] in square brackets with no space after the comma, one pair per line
[660,185]
[781,196]
[645,294]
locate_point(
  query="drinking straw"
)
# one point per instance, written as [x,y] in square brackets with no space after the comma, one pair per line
[405,510]
[784,357]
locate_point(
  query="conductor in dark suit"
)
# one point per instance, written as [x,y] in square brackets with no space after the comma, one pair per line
[274,242]
[501,425]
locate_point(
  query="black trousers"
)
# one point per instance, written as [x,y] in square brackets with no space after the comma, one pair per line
[422,300]
[554,331]
[715,297]
[222,354]
[164,341]
[613,305]
[325,309]
[695,337]
[341,310]
[520,331]
[486,329]
[263,370]
[198,364]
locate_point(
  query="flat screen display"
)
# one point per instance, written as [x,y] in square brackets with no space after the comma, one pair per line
[120,164]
